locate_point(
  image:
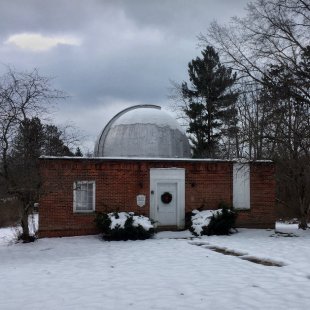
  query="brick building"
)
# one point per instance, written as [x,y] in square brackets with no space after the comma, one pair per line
[160,183]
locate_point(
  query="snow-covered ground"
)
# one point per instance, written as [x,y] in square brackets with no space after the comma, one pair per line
[166,272]
[9,235]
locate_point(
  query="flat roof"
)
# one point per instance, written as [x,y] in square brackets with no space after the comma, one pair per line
[152,159]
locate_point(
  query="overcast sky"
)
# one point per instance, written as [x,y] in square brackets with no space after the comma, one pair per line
[107,55]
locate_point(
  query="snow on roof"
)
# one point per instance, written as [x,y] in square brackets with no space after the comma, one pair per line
[153,159]
[147,115]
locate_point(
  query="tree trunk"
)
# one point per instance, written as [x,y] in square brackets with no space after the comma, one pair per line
[25,226]
[303,224]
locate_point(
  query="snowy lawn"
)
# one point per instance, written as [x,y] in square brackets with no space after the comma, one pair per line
[166,272]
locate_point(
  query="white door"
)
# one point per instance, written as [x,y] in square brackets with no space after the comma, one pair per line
[167,204]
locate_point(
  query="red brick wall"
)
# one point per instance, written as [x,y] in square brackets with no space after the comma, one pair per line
[119,181]
[262,194]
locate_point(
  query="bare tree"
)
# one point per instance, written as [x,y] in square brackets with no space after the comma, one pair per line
[273,32]
[270,50]
[23,95]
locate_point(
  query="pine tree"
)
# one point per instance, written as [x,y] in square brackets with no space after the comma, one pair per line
[78,152]
[33,139]
[29,141]
[23,167]
[54,144]
[209,101]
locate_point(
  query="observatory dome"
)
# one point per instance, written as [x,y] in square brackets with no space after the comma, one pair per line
[143,131]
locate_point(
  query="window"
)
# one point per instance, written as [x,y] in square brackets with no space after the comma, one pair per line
[84,196]
[241,186]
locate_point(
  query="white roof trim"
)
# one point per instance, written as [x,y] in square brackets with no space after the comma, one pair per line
[154,159]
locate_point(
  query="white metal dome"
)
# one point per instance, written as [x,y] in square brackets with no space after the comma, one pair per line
[143,131]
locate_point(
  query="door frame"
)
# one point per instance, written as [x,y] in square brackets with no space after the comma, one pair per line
[166,175]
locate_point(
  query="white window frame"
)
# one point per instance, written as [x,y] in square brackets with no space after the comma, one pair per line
[75,203]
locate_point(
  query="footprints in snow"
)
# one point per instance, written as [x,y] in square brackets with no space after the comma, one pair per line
[241,255]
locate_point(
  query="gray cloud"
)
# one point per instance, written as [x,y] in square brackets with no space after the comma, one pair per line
[128,53]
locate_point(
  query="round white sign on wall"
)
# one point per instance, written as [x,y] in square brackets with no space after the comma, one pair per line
[141,200]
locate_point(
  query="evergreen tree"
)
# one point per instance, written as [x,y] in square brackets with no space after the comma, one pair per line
[78,152]
[32,140]
[29,141]
[210,102]
[54,144]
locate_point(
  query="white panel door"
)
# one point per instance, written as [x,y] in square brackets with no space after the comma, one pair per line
[167,211]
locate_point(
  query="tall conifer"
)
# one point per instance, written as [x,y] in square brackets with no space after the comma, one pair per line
[210,102]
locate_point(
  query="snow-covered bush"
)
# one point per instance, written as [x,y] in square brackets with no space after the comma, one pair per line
[213,222]
[124,226]
[201,219]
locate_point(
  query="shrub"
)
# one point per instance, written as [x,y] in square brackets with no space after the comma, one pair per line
[214,222]
[221,223]
[103,222]
[124,226]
